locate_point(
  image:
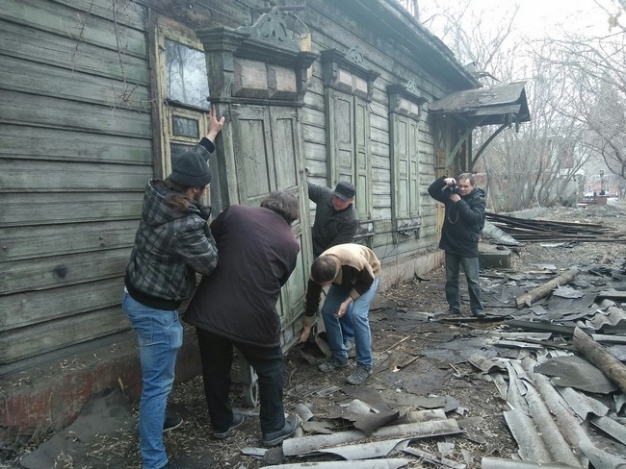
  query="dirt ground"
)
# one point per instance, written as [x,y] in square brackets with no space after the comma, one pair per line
[418,365]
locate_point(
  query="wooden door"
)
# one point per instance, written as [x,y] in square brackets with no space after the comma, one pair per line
[267,157]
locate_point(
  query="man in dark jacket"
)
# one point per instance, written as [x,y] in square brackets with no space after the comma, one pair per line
[172,243]
[236,306]
[336,222]
[464,219]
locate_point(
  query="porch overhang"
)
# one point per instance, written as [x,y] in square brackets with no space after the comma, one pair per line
[501,105]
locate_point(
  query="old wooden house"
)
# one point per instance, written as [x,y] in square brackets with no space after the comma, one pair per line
[98,96]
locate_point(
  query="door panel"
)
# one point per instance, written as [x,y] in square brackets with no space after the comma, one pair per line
[254,160]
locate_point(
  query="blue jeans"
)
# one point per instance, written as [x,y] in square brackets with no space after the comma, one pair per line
[358,314]
[160,335]
[471,268]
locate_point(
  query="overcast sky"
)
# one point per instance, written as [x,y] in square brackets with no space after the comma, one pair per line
[535,18]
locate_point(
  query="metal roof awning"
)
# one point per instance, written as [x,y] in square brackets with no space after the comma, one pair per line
[502,105]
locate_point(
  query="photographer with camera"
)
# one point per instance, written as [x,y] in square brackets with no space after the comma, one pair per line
[464,219]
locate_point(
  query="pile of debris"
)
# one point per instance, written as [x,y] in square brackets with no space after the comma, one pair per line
[555,231]
[565,393]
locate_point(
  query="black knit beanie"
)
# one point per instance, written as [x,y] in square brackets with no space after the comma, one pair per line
[190,170]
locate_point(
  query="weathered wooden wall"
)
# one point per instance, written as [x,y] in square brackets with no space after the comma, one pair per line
[330,29]
[75,156]
[77,136]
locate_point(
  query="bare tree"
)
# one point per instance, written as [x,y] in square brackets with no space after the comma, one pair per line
[594,71]
[542,164]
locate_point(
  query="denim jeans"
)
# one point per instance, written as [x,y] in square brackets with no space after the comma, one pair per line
[160,336]
[347,328]
[471,268]
[358,313]
[217,358]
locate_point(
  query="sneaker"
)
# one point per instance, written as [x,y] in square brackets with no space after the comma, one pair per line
[331,364]
[479,313]
[236,423]
[172,423]
[359,376]
[277,437]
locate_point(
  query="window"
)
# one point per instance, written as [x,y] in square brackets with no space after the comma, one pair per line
[349,90]
[405,108]
[184,105]
[186,75]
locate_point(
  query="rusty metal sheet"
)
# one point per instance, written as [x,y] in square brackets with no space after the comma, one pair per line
[490,101]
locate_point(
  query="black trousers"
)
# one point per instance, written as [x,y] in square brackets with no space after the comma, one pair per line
[217,358]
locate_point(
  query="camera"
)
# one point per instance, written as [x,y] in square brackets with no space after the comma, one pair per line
[449,190]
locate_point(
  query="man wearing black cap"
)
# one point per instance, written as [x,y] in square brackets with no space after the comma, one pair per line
[336,222]
[173,242]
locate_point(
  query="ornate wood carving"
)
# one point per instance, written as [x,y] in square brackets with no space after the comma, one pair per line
[406,99]
[267,42]
[336,64]
[272,28]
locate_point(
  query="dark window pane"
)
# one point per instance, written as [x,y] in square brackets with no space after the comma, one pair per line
[185,127]
[176,150]
[186,75]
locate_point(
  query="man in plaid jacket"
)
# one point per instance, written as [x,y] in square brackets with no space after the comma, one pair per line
[173,242]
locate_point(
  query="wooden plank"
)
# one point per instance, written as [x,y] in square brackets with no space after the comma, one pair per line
[25,142]
[313,117]
[380,136]
[128,13]
[18,107]
[50,336]
[36,242]
[315,152]
[379,122]
[31,77]
[24,175]
[31,209]
[81,27]
[314,134]
[47,48]
[50,272]
[33,307]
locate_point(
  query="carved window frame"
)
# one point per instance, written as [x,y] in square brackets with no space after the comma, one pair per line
[346,78]
[405,109]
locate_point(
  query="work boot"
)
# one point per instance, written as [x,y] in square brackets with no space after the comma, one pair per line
[277,437]
[479,313]
[331,364]
[236,423]
[359,376]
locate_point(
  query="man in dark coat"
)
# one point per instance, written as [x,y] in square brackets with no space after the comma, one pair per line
[464,220]
[236,306]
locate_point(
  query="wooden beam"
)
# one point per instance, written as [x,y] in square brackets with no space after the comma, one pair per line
[527,298]
[597,355]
